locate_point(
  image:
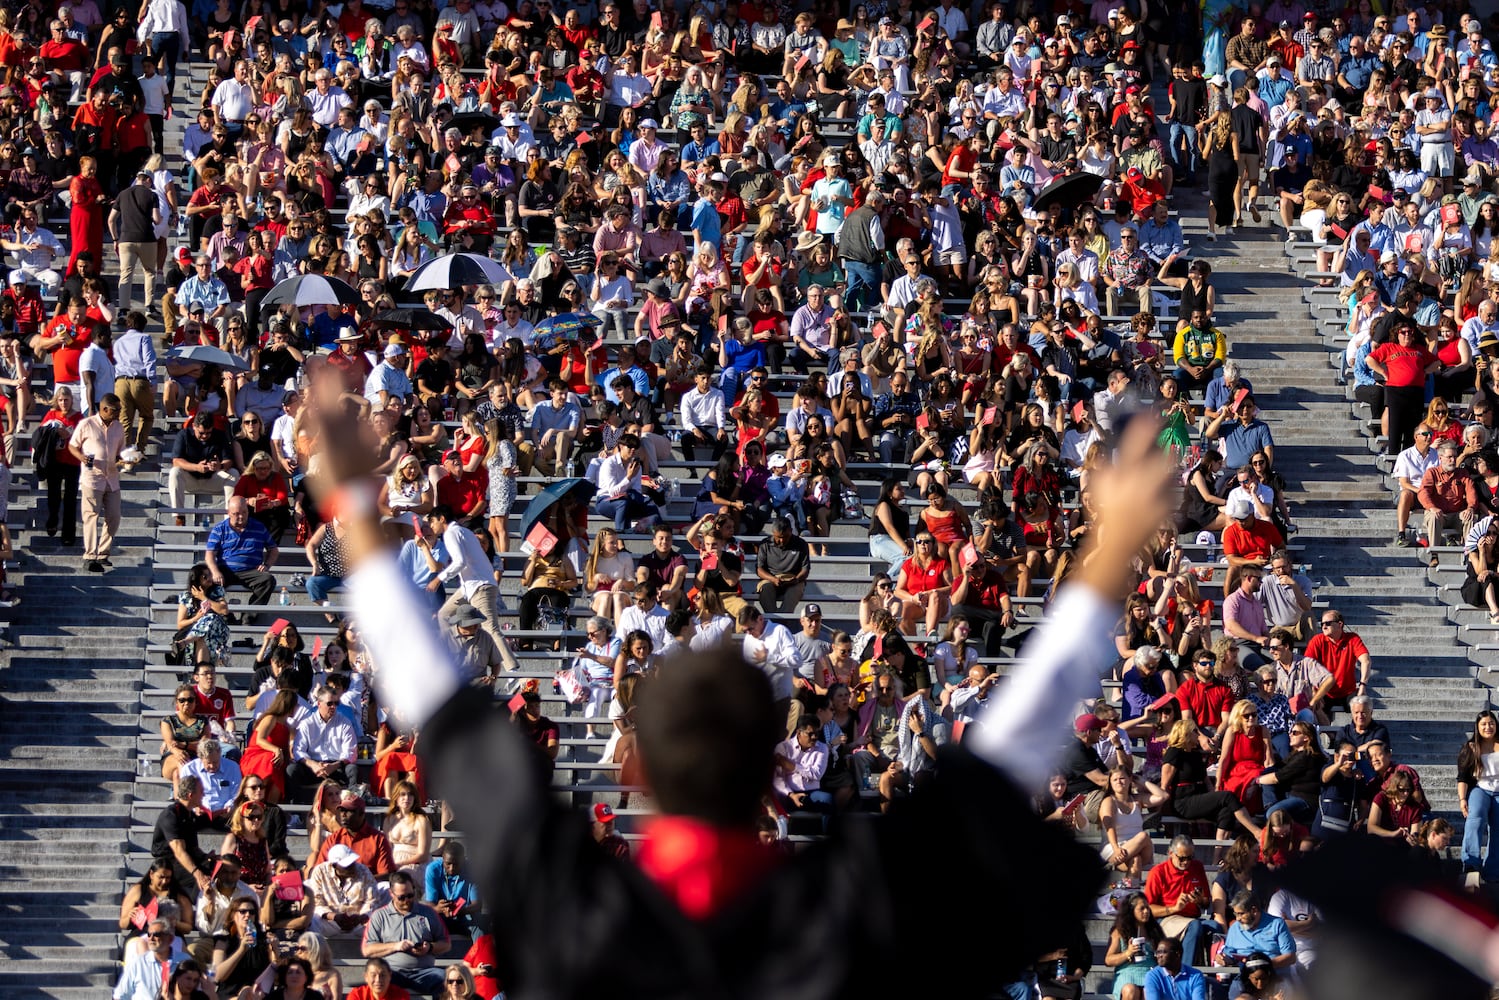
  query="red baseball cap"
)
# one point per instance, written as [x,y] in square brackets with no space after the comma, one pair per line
[602,813]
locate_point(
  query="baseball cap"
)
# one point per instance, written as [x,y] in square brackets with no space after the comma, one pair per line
[511,120]
[1388,257]
[394,350]
[1285,24]
[350,800]
[648,123]
[342,855]
[1087,721]
[18,277]
[1240,508]
[813,611]
[602,813]
[451,455]
[777,461]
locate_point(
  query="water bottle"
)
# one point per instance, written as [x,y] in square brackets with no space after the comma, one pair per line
[572,469]
[1061,968]
[285,597]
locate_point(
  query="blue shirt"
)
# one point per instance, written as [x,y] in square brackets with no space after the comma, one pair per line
[239,551]
[135,355]
[209,294]
[1270,937]
[1238,442]
[1188,984]
[705,220]
[1160,240]
[1358,69]
[441,886]
[414,562]
[1273,92]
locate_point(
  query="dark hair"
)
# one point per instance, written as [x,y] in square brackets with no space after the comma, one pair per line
[403,878]
[1128,927]
[707,733]
[678,620]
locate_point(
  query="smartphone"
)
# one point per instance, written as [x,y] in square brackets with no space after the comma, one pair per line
[416,526]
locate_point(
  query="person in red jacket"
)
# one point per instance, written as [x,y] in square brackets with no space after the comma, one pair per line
[468,222]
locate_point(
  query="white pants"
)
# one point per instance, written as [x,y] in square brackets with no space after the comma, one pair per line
[180,483]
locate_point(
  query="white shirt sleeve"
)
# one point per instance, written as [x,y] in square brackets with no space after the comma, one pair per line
[1022,728]
[417,674]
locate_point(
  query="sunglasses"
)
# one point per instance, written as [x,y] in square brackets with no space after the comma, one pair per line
[184,701]
[1331,624]
[401,898]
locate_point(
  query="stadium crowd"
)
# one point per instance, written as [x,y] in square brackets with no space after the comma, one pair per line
[754,285]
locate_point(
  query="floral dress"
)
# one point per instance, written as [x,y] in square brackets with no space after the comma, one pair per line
[501,486]
[211,628]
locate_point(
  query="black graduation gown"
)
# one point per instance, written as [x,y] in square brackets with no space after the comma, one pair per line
[828,922]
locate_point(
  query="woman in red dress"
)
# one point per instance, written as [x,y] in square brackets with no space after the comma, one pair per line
[270,747]
[923,585]
[1246,755]
[396,761]
[86,217]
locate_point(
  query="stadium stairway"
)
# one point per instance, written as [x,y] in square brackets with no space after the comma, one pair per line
[1428,682]
[70,681]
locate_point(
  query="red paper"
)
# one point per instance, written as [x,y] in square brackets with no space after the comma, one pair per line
[317,647]
[968,555]
[516,703]
[541,540]
[279,625]
[144,916]
[1161,702]
[990,413]
[926,24]
[459,904]
[957,730]
[584,138]
[922,421]
[1071,807]
[710,561]
[656,21]
[288,885]
[1239,398]
[802,62]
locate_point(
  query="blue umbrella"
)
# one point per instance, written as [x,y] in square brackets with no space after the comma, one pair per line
[550,496]
[565,327]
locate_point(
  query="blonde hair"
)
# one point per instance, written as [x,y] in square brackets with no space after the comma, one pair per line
[1183,734]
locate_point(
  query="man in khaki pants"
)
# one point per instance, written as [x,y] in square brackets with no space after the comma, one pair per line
[96,443]
[135,380]
[132,223]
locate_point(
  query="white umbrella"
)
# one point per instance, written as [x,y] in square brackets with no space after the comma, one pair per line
[458,269]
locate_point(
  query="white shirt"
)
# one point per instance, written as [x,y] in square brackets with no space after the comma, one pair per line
[154,88]
[652,623]
[775,653]
[1412,465]
[324,741]
[234,100]
[141,978]
[468,564]
[614,480]
[702,409]
[1289,907]
[325,107]
[95,359]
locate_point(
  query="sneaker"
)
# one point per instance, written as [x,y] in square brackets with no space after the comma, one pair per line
[95,566]
[1402,540]
[1228,231]
[1290,239]
[1254,212]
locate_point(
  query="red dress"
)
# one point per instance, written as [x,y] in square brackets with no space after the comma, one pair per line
[401,762]
[1244,762]
[86,221]
[259,762]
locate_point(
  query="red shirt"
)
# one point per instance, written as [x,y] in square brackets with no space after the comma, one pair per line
[481,952]
[462,492]
[66,55]
[354,367]
[963,157]
[1256,542]
[1340,658]
[87,114]
[1166,883]
[372,846]
[63,456]
[263,494]
[702,867]
[1405,366]
[919,580]
[459,212]
[219,705]
[392,992]
[133,132]
[30,310]
[1208,703]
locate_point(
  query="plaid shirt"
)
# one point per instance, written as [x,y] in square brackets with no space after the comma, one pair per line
[330,894]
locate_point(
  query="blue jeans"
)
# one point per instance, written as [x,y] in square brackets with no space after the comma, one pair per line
[630,507]
[319,587]
[1192,935]
[1281,742]
[886,548]
[1482,824]
[863,285]
[1300,809]
[166,44]
[1188,138]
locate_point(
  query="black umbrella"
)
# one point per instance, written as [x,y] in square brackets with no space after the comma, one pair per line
[1069,191]
[410,318]
[550,496]
[309,290]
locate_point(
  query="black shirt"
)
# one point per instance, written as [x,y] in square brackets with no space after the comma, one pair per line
[1191,99]
[217,448]
[1246,124]
[177,822]
[1078,762]
[137,204]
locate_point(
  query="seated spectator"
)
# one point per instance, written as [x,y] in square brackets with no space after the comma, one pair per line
[343,892]
[783,564]
[1447,497]
[451,890]
[202,463]
[354,829]
[1177,891]
[219,778]
[240,552]
[144,974]
[409,935]
[323,747]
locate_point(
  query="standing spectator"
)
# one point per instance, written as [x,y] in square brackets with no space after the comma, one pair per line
[1434,128]
[132,224]
[96,443]
[61,467]
[135,382]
